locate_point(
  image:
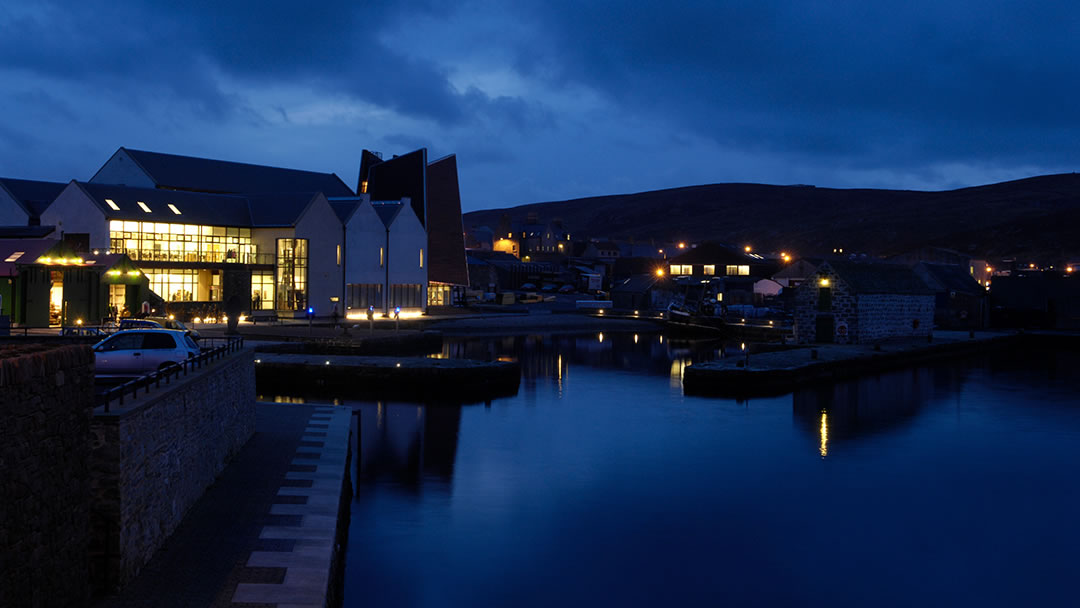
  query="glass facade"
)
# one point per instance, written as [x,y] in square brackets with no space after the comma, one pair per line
[185,285]
[262,290]
[292,267]
[161,242]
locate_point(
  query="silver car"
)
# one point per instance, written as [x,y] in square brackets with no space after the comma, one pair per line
[138,352]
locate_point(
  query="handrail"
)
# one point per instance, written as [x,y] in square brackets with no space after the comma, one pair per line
[231,344]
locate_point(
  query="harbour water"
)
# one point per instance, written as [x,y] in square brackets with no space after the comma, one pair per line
[600,483]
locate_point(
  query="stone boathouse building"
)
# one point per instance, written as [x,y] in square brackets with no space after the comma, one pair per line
[847,302]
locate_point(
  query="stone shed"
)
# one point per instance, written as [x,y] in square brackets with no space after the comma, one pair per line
[848,302]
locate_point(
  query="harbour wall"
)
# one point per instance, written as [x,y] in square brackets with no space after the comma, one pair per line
[153,459]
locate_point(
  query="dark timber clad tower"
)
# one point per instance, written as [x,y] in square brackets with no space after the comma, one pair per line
[435,198]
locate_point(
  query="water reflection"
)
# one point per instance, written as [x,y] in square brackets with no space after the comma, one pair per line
[405,442]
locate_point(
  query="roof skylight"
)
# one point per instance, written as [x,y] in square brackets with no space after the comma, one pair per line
[173,208]
[14,256]
[111,204]
[143,206]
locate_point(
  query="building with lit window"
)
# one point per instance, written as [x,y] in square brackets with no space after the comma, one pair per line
[198,251]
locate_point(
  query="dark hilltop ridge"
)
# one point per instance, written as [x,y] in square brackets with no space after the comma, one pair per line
[1037,216]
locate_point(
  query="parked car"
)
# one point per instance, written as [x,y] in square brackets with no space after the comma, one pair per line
[158,323]
[83,331]
[137,352]
[566,289]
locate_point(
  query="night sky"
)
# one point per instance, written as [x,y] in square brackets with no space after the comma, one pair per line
[552,100]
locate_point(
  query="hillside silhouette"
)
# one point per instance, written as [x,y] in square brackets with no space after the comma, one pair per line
[1035,217]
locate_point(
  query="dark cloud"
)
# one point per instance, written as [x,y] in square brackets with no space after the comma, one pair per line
[604,94]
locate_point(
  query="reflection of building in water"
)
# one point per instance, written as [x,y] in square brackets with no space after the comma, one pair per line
[845,410]
[407,441]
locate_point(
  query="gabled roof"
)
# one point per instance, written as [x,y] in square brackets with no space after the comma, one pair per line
[278,210]
[190,173]
[344,207]
[249,210]
[949,277]
[33,195]
[387,211]
[714,253]
[194,207]
[877,277]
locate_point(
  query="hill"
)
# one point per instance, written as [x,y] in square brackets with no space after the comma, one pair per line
[1036,216]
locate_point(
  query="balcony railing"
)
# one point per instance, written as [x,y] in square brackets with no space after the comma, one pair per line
[231,257]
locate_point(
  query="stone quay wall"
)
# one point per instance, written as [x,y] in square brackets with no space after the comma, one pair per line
[152,460]
[46,398]
[883,316]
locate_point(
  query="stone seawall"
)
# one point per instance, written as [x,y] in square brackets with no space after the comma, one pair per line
[152,460]
[45,403]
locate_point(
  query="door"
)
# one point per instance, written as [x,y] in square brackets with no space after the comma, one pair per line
[120,355]
[824,333]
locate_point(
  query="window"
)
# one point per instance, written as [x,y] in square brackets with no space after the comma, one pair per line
[339,255]
[292,266]
[111,204]
[173,208]
[682,269]
[360,296]
[421,257]
[405,296]
[262,290]
[158,341]
[143,206]
[163,242]
[382,257]
[15,256]
[737,270]
[125,341]
[709,269]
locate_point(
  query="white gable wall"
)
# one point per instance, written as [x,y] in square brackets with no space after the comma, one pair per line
[322,228]
[364,235]
[74,212]
[121,169]
[12,212]
[407,238]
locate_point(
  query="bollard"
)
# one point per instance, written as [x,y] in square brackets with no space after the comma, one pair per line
[371,320]
[397,321]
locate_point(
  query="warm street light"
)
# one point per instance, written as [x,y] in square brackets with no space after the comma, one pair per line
[659,272]
[747,249]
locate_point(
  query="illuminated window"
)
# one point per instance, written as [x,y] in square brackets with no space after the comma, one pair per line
[339,255]
[161,242]
[421,257]
[14,256]
[382,257]
[675,268]
[363,186]
[262,290]
[173,208]
[720,297]
[733,270]
[143,206]
[744,271]
[710,269]
[292,267]
[111,204]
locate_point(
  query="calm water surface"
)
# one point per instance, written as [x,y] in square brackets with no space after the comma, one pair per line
[601,484]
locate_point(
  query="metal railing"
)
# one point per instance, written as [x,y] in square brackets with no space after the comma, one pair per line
[153,379]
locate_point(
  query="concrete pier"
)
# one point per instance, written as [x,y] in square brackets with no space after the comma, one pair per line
[410,378]
[774,373]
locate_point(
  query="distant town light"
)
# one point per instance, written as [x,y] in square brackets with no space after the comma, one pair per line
[1032,265]
[1068,269]
[824,281]
[171,317]
[747,249]
[682,245]
[659,272]
[78,321]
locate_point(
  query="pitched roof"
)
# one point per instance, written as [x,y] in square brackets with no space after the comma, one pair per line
[344,207]
[194,207]
[249,210]
[949,277]
[279,209]
[191,173]
[21,251]
[878,277]
[33,195]
[387,211]
[713,253]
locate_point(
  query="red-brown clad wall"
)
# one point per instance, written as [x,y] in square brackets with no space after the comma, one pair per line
[446,239]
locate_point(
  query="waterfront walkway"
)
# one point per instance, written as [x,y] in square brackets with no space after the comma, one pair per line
[263,533]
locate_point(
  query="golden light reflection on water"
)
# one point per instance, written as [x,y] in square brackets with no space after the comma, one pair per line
[824,449]
[678,367]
